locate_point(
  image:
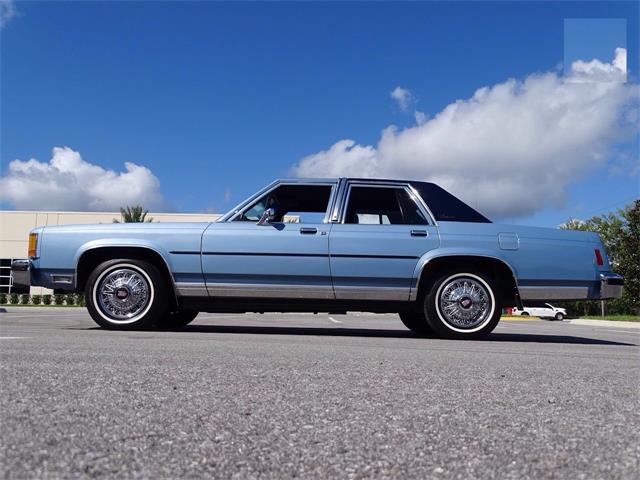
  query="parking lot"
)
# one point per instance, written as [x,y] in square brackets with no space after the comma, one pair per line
[317,396]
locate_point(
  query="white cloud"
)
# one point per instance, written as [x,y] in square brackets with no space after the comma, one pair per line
[420,117]
[67,182]
[597,71]
[510,150]
[7,12]
[403,97]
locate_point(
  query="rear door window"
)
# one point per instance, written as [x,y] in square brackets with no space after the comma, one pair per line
[382,206]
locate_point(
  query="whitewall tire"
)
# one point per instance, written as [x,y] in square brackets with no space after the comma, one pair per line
[463,304]
[126,294]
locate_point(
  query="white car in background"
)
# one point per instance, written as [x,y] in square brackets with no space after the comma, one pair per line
[541,310]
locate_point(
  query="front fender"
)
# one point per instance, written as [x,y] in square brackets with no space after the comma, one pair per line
[123,242]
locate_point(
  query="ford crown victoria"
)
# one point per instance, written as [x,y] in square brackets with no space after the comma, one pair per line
[322,245]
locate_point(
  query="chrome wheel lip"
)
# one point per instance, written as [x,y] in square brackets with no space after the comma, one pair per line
[475,279]
[135,315]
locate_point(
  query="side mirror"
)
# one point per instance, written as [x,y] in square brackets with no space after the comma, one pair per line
[268,216]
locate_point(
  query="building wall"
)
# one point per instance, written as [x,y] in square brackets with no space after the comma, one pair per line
[15,226]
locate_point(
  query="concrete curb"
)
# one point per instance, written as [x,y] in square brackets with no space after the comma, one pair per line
[605,323]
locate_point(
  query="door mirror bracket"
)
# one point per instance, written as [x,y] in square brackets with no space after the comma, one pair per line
[268,217]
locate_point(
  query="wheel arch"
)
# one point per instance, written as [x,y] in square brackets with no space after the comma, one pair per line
[429,268]
[89,258]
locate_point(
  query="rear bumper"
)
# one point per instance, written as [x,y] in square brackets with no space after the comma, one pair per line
[21,272]
[609,286]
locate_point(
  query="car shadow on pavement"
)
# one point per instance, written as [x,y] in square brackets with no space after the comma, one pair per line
[383,333]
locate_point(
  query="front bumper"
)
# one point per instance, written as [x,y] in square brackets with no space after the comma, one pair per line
[21,272]
[611,285]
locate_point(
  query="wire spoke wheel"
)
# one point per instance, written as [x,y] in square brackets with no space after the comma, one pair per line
[123,293]
[465,303]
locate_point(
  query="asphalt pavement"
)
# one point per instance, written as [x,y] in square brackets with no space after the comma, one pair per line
[315,396]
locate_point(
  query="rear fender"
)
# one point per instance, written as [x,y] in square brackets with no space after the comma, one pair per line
[439,253]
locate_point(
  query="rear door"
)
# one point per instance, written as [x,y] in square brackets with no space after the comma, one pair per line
[382,232]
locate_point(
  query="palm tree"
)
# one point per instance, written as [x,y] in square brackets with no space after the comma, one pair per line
[135,214]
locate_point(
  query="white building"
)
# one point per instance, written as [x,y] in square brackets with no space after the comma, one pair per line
[15,226]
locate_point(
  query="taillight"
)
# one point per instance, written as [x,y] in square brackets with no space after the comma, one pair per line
[599,260]
[33,244]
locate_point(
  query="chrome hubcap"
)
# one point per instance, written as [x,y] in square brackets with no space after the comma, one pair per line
[123,294]
[465,303]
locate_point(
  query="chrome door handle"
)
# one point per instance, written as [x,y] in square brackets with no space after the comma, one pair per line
[308,230]
[419,233]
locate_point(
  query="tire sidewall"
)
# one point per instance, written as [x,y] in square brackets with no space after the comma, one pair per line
[157,303]
[559,316]
[441,326]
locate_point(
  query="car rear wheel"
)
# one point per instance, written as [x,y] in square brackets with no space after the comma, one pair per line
[559,316]
[177,320]
[126,294]
[463,305]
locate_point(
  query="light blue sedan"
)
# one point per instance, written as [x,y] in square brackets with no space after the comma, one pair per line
[322,245]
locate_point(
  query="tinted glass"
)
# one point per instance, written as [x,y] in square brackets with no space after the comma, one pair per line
[292,203]
[410,210]
[382,206]
[445,207]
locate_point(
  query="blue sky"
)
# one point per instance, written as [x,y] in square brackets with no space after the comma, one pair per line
[218,99]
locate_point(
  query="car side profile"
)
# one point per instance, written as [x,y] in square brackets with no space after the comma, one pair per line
[541,310]
[322,245]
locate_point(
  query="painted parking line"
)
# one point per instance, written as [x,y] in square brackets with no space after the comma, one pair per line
[13,338]
[619,330]
[334,320]
[515,319]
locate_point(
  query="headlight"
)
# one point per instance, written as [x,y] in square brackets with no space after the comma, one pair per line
[33,244]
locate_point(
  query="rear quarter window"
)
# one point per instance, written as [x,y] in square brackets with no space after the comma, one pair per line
[445,207]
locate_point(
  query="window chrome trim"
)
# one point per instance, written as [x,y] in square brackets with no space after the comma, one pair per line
[418,198]
[235,210]
[350,184]
[335,212]
[242,207]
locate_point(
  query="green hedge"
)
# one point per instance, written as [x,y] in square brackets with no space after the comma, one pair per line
[70,299]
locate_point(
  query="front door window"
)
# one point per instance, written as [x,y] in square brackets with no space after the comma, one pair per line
[292,203]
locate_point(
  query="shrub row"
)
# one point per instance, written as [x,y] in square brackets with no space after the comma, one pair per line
[26,299]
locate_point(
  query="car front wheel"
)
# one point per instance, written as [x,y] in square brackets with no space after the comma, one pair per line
[126,294]
[463,305]
[559,316]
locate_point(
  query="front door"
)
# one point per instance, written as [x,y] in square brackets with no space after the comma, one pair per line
[375,248]
[285,258]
